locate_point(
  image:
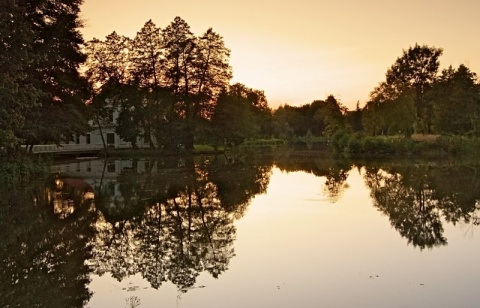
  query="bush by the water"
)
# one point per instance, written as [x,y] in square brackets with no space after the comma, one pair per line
[425,145]
[22,170]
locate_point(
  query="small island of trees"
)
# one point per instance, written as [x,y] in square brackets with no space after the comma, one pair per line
[172,88]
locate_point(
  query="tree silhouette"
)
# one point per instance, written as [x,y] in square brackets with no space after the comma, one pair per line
[148,57]
[164,81]
[414,71]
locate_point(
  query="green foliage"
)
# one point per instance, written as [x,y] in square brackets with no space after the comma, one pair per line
[17,94]
[340,140]
[354,118]
[321,118]
[456,100]
[436,146]
[397,116]
[459,145]
[405,89]
[233,120]
[43,96]
[416,70]
[257,104]
[263,142]
[281,123]
[392,116]
[413,99]
[354,145]
[20,171]
[61,110]
[204,148]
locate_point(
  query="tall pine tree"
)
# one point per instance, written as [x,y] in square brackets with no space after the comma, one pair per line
[42,90]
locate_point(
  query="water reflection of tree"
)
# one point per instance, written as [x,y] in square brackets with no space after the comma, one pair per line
[418,198]
[238,181]
[411,210]
[336,182]
[185,225]
[43,249]
[335,171]
[458,192]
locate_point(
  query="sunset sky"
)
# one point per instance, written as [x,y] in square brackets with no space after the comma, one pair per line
[299,51]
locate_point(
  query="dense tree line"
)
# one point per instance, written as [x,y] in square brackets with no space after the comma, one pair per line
[414,98]
[320,118]
[172,87]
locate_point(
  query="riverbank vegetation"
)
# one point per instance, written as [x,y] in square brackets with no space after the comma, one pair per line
[416,145]
[415,111]
[173,89]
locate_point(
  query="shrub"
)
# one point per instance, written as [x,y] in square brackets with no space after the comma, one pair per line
[354,145]
[340,140]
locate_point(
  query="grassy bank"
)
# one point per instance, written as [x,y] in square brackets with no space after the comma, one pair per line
[134,153]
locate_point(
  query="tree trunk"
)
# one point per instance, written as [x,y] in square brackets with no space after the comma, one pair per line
[101,133]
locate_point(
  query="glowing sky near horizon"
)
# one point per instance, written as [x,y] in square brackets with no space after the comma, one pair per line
[299,51]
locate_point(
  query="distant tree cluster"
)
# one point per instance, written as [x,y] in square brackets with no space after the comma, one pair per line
[42,94]
[414,98]
[171,87]
[320,118]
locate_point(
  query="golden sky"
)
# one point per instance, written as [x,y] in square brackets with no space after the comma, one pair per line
[299,51]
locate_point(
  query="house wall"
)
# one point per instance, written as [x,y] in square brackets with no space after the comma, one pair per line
[93,140]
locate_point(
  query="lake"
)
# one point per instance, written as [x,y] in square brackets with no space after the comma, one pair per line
[285,230]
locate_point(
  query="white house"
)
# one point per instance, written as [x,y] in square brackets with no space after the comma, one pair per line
[93,141]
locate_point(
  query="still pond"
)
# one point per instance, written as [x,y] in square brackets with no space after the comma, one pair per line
[288,231]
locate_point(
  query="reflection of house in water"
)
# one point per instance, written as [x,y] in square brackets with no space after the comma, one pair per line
[88,177]
[150,220]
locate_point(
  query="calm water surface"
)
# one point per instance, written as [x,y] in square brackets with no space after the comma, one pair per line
[217,232]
